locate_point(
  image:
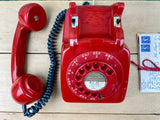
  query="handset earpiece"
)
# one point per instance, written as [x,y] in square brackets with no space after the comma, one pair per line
[26,88]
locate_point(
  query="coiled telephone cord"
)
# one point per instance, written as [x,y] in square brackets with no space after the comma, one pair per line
[29,112]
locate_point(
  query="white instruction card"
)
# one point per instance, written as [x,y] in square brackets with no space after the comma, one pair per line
[149,48]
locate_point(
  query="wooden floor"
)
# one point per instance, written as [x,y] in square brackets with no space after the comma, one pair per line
[137,17]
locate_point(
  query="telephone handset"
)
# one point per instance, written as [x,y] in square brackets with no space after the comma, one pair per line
[26,88]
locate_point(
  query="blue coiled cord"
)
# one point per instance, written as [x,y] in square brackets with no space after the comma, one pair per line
[86,3]
[29,112]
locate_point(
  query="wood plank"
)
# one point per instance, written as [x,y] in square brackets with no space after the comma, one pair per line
[137,17]
[19,116]
[37,64]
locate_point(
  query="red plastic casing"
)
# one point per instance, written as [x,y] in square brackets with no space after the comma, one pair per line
[95,45]
[26,88]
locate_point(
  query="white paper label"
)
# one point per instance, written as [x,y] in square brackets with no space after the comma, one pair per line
[149,48]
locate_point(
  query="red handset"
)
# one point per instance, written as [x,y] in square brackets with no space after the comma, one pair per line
[26,87]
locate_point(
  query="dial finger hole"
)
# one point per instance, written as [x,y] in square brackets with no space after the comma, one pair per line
[78,77]
[81,89]
[78,84]
[109,71]
[88,66]
[81,71]
[94,94]
[95,65]
[87,93]
[103,67]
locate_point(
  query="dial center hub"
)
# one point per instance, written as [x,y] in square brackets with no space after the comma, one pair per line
[95,81]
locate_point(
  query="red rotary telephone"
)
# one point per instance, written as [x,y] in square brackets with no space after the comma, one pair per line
[95,61]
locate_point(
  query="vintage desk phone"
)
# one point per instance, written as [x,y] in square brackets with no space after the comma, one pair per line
[94,62]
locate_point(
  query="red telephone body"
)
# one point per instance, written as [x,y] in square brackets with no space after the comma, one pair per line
[93,49]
